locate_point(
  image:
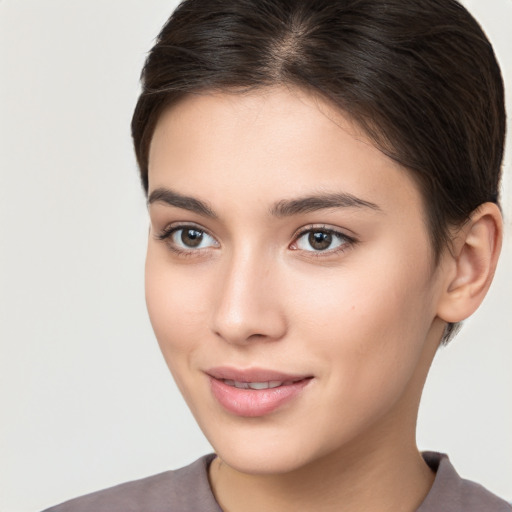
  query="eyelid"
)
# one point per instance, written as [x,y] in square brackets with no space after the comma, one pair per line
[169,229]
[167,232]
[349,240]
[323,227]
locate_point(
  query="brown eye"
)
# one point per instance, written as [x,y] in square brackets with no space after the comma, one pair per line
[319,240]
[191,237]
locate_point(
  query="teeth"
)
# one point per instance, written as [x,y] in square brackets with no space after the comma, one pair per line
[254,385]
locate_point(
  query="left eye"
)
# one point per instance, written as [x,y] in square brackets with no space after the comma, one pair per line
[319,240]
[192,238]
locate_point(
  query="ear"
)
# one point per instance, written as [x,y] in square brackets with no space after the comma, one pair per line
[470,262]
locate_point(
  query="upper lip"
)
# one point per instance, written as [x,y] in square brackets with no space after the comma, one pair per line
[252,374]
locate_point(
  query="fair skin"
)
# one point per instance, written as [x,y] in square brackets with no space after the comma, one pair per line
[340,292]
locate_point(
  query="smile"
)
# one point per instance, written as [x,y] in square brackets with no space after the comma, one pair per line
[257,385]
[256,392]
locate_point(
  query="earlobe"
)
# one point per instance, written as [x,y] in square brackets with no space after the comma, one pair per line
[472,263]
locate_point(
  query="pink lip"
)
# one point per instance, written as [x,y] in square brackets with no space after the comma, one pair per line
[254,402]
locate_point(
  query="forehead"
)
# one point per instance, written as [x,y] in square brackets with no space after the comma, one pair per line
[264,146]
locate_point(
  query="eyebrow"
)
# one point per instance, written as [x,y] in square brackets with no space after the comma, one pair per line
[283,208]
[172,198]
[288,207]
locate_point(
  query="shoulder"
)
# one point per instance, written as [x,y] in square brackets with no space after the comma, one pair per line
[186,489]
[451,493]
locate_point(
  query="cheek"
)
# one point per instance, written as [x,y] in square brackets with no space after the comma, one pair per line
[176,304]
[370,325]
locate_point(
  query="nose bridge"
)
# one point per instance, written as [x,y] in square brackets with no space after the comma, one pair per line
[247,305]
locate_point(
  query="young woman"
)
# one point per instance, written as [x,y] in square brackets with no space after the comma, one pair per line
[322,180]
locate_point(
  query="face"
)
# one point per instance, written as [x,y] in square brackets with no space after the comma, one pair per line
[289,277]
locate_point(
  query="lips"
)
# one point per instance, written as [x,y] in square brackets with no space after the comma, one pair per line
[254,392]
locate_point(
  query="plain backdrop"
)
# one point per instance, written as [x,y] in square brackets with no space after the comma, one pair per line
[86,400]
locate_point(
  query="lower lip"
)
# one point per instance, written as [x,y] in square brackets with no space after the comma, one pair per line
[255,402]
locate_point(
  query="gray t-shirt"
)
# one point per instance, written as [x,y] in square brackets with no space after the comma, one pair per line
[188,490]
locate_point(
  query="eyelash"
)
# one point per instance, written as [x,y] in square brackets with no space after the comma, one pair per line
[346,241]
[166,236]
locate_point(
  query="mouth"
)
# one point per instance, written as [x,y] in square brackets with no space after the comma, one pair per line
[271,384]
[255,392]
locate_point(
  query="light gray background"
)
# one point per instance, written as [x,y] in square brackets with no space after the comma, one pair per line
[85,397]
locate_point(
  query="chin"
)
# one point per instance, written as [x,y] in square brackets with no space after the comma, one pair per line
[257,460]
[259,448]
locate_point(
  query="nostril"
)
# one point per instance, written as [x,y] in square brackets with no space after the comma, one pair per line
[246,310]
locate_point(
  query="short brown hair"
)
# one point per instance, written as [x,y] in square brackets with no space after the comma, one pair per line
[420,77]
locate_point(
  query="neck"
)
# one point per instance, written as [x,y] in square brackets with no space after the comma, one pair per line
[370,475]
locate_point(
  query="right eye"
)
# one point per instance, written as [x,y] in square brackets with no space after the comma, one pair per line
[187,238]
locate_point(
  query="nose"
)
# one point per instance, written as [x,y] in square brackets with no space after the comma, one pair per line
[248,307]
